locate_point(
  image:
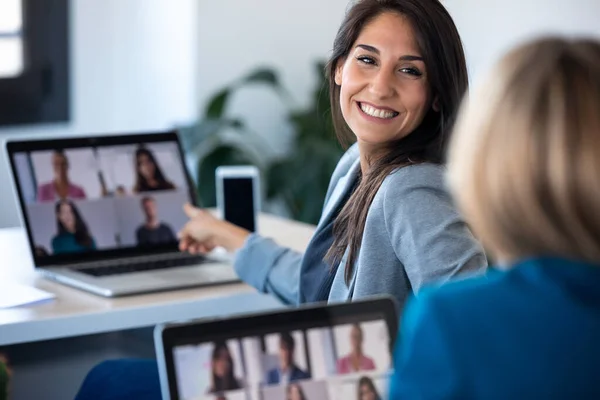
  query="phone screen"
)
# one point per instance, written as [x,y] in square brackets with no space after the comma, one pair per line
[238,199]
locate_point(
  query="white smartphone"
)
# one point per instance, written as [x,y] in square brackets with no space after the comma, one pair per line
[238,195]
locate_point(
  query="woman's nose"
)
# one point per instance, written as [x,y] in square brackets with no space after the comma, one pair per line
[382,85]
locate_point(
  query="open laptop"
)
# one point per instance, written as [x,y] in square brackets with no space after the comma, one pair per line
[102,213]
[243,357]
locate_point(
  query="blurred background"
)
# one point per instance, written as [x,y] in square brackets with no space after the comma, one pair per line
[242,81]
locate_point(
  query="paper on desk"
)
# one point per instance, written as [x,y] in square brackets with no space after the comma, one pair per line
[14,294]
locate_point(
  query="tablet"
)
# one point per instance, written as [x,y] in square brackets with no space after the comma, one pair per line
[315,352]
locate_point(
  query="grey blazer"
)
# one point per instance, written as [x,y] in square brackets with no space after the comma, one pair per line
[413,236]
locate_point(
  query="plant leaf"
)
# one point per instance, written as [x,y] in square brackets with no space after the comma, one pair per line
[216,105]
[262,75]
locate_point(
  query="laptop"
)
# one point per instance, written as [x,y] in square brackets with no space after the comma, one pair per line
[102,213]
[299,353]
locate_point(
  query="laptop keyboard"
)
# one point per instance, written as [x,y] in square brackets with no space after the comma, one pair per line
[129,266]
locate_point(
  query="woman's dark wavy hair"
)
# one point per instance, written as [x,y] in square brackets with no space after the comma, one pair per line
[82,233]
[442,51]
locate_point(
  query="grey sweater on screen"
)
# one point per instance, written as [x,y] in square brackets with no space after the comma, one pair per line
[413,236]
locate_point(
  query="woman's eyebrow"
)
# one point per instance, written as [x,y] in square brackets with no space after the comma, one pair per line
[375,50]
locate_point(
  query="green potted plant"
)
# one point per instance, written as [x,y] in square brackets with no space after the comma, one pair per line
[301,178]
[298,179]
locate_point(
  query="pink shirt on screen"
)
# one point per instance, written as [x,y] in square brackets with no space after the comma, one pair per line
[46,192]
[344,365]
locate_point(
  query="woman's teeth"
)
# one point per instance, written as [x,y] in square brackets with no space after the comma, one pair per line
[377,113]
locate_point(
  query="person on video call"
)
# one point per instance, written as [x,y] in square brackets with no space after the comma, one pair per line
[153,231]
[222,376]
[287,371]
[356,360]
[149,176]
[73,235]
[295,392]
[60,187]
[367,389]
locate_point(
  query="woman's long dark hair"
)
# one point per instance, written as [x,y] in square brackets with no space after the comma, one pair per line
[82,234]
[228,382]
[289,389]
[366,381]
[442,52]
[141,184]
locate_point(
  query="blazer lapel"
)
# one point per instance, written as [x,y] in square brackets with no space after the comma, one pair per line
[342,187]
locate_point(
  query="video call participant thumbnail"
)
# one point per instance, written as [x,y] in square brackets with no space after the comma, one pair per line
[222,376]
[287,371]
[72,235]
[60,187]
[153,231]
[356,360]
[149,175]
[367,389]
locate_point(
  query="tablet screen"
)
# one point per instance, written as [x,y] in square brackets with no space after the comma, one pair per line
[347,358]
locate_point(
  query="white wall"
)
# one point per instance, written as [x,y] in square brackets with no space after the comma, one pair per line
[237,36]
[491,27]
[133,68]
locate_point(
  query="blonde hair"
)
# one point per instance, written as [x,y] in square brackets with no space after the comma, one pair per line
[524,162]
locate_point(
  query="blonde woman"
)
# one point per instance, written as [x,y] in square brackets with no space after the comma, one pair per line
[524,168]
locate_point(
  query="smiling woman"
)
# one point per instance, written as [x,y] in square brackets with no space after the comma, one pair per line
[396,75]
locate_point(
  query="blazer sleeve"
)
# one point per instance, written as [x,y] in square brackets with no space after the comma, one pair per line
[424,364]
[269,268]
[426,231]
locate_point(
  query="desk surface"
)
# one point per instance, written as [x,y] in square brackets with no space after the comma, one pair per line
[75,313]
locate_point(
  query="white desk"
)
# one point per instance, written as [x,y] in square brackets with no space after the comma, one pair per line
[76,313]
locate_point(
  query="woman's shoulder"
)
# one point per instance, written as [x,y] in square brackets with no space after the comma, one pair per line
[411,179]
[76,188]
[426,173]
[45,185]
[45,189]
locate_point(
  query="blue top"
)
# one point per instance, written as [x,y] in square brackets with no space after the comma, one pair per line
[318,275]
[66,243]
[532,332]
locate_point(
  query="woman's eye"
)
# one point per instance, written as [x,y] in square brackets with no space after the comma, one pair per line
[366,60]
[411,71]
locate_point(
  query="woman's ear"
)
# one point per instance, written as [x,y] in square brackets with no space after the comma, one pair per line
[436,104]
[338,72]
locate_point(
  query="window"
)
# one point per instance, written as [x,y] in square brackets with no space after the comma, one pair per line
[34,61]
[11,39]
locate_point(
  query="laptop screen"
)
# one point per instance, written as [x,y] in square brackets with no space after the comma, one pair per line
[342,358]
[83,198]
